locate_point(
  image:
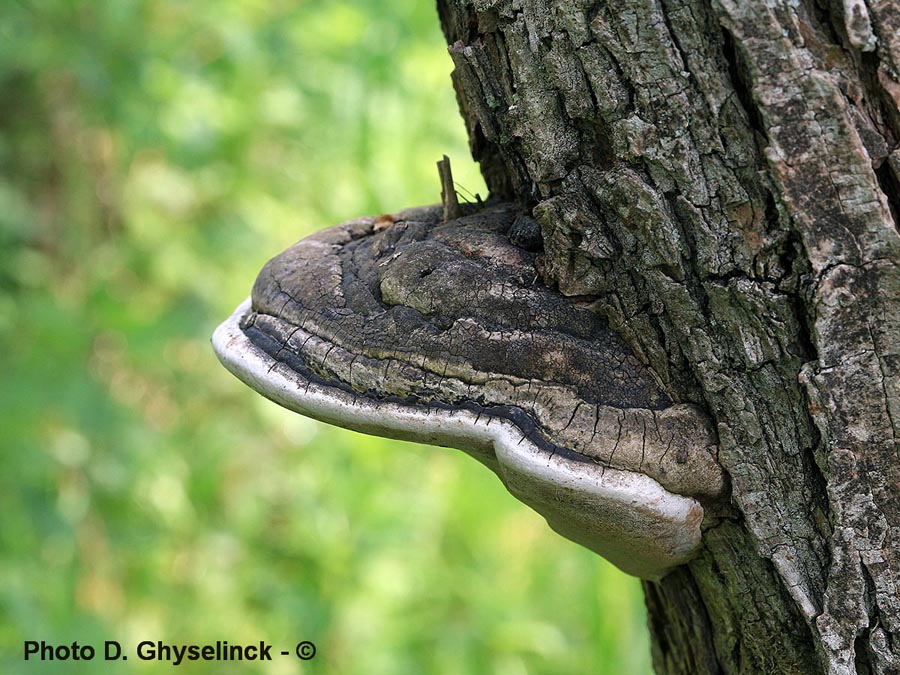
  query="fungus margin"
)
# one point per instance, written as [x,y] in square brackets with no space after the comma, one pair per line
[624,516]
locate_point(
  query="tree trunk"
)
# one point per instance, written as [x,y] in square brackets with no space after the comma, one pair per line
[723,179]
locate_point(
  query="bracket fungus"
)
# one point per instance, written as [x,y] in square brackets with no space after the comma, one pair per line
[414,328]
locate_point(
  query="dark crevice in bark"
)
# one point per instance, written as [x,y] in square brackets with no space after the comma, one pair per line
[495,46]
[890,186]
[887,113]
[593,9]
[472,33]
[828,21]
[594,137]
[666,12]
[797,265]
[677,619]
[874,99]
[742,88]
[863,656]
[862,662]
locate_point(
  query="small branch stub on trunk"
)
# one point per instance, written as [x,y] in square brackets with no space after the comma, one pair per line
[452,210]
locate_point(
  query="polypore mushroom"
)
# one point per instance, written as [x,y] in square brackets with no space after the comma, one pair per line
[442,332]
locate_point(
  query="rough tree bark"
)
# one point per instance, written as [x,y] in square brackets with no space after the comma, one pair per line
[723,179]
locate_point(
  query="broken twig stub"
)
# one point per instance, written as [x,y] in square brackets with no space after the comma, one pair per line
[449,199]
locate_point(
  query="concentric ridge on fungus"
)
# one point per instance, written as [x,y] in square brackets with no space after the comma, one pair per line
[443,333]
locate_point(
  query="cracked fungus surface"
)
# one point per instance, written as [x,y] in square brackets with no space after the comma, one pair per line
[452,315]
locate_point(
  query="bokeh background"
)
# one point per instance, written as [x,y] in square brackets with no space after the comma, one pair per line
[153,155]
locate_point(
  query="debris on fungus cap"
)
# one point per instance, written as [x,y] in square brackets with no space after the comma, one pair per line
[414,328]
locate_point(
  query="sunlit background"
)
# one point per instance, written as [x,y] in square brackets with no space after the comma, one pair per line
[154,154]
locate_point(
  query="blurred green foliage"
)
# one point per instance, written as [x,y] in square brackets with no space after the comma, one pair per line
[153,154]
